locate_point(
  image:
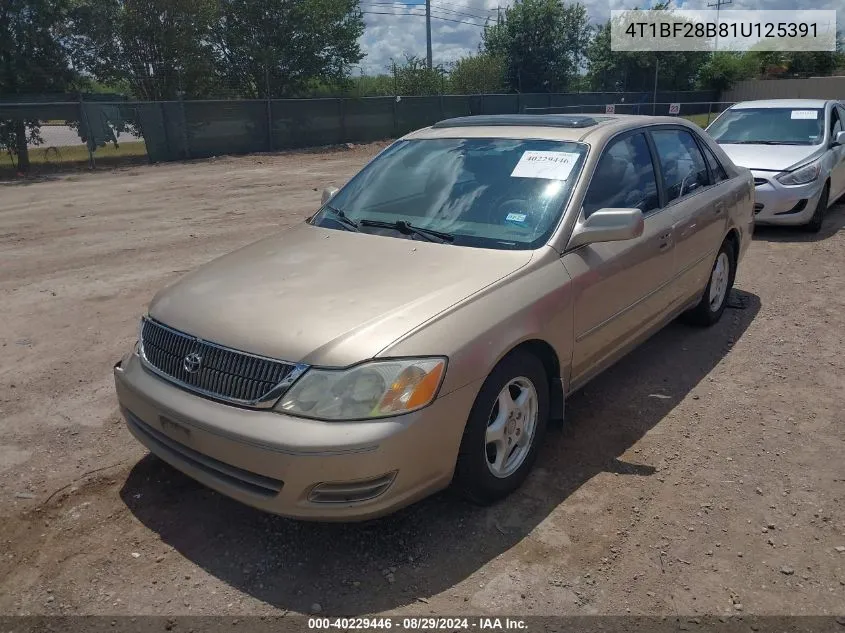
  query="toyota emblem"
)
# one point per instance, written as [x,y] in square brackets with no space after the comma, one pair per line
[192,362]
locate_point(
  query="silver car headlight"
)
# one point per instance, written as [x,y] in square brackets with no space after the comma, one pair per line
[807,173]
[375,389]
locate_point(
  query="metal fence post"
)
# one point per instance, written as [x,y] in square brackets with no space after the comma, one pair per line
[269,124]
[341,106]
[442,109]
[186,141]
[89,140]
[166,132]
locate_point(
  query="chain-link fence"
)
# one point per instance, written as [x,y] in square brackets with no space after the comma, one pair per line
[84,135]
[703,113]
[56,136]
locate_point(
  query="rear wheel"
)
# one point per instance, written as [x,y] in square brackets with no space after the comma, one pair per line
[815,223]
[505,427]
[709,310]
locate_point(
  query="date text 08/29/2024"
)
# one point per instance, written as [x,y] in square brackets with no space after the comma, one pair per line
[418,623]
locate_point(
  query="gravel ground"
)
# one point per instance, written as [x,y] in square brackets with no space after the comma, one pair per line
[704,474]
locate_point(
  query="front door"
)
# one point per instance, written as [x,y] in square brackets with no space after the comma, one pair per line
[621,289]
[837,172]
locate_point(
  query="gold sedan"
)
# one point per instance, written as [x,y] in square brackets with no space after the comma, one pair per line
[423,326]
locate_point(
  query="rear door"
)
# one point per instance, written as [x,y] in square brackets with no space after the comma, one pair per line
[621,289]
[698,203]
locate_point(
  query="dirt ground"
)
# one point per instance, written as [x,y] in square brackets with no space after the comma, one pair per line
[704,474]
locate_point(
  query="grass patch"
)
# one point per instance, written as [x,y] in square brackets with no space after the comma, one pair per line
[73,157]
[701,119]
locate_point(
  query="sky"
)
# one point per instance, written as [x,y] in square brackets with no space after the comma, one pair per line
[456,31]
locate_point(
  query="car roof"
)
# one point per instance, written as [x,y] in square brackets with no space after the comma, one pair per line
[781,103]
[541,126]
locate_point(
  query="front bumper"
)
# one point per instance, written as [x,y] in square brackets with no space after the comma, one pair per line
[276,462]
[783,205]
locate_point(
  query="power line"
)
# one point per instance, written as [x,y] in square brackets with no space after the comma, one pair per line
[451,12]
[402,5]
[433,17]
[408,5]
[468,5]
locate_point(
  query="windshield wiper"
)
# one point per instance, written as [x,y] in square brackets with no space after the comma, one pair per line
[350,224]
[763,142]
[406,228]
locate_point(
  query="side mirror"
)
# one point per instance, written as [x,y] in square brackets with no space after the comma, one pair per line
[608,225]
[328,194]
[839,139]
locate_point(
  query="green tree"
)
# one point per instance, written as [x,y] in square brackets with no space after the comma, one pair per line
[610,70]
[413,77]
[277,47]
[543,43]
[478,74]
[158,48]
[724,69]
[34,58]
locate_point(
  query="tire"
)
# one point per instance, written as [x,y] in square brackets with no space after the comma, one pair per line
[480,474]
[709,310]
[815,223]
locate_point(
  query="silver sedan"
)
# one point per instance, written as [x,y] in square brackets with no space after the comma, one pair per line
[796,150]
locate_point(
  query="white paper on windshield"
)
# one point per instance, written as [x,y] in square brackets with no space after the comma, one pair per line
[805,114]
[550,165]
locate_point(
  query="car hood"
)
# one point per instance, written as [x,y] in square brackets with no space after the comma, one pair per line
[770,157]
[327,297]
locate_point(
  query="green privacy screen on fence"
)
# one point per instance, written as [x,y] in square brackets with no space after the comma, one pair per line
[174,130]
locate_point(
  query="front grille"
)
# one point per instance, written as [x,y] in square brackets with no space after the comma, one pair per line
[218,372]
[760,181]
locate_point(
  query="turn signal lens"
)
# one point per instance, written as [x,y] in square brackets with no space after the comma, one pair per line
[415,387]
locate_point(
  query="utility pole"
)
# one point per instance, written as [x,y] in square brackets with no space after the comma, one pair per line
[654,98]
[718,4]
[428,33]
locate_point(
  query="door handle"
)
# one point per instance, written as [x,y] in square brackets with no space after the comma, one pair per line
[719,208]
[665,240]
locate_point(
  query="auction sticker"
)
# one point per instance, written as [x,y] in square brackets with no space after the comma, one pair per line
[805,114]
[549,165]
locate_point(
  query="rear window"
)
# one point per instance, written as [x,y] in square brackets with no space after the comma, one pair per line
[769,126]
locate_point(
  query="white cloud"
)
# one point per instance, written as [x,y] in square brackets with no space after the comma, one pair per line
[393,36]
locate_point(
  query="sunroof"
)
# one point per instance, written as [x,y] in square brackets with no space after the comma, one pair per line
[530,120]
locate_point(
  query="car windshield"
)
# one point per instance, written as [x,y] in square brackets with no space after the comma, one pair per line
[480,192]
[775,126]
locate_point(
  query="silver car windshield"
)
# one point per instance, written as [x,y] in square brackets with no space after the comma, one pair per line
[770,126]
[481,192]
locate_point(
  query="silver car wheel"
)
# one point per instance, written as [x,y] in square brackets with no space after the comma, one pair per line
[511,427]
[719,281]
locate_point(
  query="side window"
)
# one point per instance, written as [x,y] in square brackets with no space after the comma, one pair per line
[716,170]
[681,162]
[835,121]
[624,177]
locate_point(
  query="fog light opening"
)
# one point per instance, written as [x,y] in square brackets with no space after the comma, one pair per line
[351,491]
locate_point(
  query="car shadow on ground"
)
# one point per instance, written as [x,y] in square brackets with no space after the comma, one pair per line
[430,547]
[834,221]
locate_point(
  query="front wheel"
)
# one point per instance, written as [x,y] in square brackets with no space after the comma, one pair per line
[505,427]
[815,223]
[709,310]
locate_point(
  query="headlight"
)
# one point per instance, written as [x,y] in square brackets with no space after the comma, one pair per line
[807,173]
[373,390]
